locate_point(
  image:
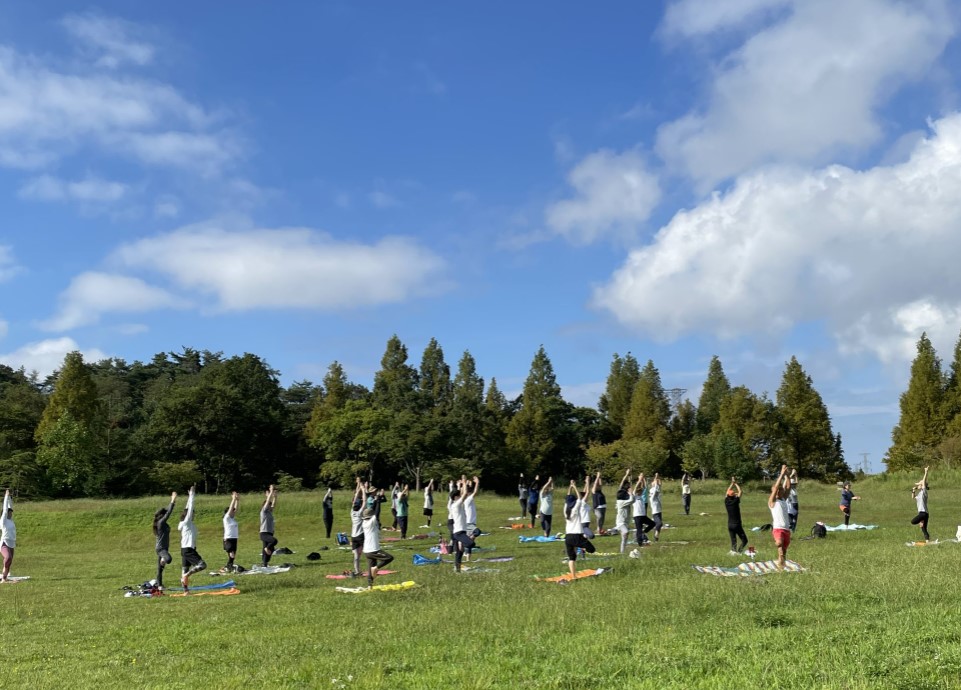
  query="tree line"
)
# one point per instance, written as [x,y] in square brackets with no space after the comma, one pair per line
[928,432]
[227,423]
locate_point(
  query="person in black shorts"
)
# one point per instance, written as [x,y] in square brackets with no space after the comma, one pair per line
[328,506]
[574,538]
[732,502]
[267,537]
[161,531]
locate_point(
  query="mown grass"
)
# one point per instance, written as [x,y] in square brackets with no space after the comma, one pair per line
[870,613]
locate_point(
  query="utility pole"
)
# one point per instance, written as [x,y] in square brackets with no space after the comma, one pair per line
[864,462]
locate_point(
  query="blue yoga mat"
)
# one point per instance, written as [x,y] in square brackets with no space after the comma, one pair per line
[539,538]
[423,560]
[216,585]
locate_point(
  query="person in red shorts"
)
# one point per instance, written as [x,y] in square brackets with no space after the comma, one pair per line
[780,521]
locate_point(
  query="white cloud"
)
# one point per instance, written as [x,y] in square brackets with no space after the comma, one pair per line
[804,88]
[46,356]
[286,268]
[166,207]
[382,199]
[89,189]
[8,265]
[111,40]
[690,18]
[613,194]
[92,294]
[48,113]
[872,254]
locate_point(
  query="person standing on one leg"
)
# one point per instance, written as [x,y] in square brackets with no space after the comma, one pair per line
[521,495]
[8,536]
[780,522]
[793,500]
[403,509]
[546,506]
[161,532]
[429,501]
[623,509]
[376,558]
[462,541]
[846,497]
[654,496]
[190,560]
[735,530]
[357,506]
[686,493]
[642,523]
[574,537]
[470,516]
[231,532]
[599,503]
[267,537]
[394,493]
[533,492]
[328,505]
[920,494]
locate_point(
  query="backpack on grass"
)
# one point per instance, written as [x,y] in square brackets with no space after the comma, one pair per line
[819,531]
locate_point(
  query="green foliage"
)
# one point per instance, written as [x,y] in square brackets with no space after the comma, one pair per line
[74,392]
[922,424]
[174,476]
[611,459]
[68,455]
[650,411]
[615,402]
[715,390]
[395,384]
[287,483]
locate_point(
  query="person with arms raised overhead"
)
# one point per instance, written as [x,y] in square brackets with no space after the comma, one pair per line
[8,536]
[623,509]
[686,493]
[642,523]
[328,506]
[190,560]
[376,558]
[462,540]
[780,522]
[522,495]
[267,537]
[792,500]
[533,493]
[920,494]
[357,506]
[161,532]
[403,508]
[654,495]
[574,537]
[231,532]
[599,503]
[429,501]
[735,529]
[546,506]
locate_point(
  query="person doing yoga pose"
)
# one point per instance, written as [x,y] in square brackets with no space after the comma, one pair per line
[642,523]
[376,558]
[161,532]
[654,495]
[546,506]
[462,540]
[735,530]
[686,493]
[231,532]
[599,503]
[574,538]
[920,494]
[267,537]
[846,497]
[190,560]
[780,522]
[328,506]
[429,501]
[623,509]
[8,536]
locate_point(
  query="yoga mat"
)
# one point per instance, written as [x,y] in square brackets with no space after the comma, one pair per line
[540,538]
[208,593]
[749,569]
[346,576]
[579,575]
[398,587]
[269,570]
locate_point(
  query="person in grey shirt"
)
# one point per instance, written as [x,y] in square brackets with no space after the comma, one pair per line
[920,494]
[161,532]
[267,525]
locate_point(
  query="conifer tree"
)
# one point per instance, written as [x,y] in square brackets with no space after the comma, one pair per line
[921,426]
[435,383]
[650,412]
[535,433]
[615,402]
[716,388]
[395,384]
[809,440]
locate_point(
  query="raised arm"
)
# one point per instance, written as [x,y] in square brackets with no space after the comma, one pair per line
[597,483]
[572,488]
[234,502]
[270,498]
[626,479]
[737,489]
[476,486]
[776,487]
[924,479]
[587,485]
[190,504]
[330,492]
[7,503]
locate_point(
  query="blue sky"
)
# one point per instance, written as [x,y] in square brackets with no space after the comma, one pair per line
[754,179]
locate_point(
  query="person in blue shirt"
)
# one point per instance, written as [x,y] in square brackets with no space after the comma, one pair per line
[846,497]
[533,497]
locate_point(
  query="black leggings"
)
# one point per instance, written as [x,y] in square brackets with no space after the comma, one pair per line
[642,525]
[546,524]
[402,525]
[736,532]
[658,524]
[270,543]
[686,500]
[523,502]
[163,560]
[328,522]
[461,541]
[922,519]
[573,542]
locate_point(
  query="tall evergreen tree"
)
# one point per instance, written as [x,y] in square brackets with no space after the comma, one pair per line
[922,425]
[952,395]
[716,388]
[615,402]
[650,411]
[74,391]
[435,383]
[534,434]
[395,385]
[809,440]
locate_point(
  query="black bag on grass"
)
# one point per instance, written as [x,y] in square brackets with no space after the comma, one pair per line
[819,531]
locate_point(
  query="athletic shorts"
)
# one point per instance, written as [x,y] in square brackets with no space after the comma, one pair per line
[429,512]
[189,558]
[782,535]
[845,509]
[164,555]
[357,542]
[268,539]
[573,542]
[230,545]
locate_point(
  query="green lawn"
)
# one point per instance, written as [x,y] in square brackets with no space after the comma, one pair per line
[870,613]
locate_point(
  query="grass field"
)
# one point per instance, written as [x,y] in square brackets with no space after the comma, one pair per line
[870,613]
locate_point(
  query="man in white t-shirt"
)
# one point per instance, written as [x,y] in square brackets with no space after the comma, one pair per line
[231,532]
[376,558]
[654,496]
[622,508]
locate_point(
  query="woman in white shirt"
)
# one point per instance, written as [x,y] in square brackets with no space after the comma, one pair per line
[429,502]
[920,494]
[231,532]
[8,537]
[780,520]
[376,558]
[686,493]
[574,537]
[654,496]
[623,509]
[190,560]
[546,506]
